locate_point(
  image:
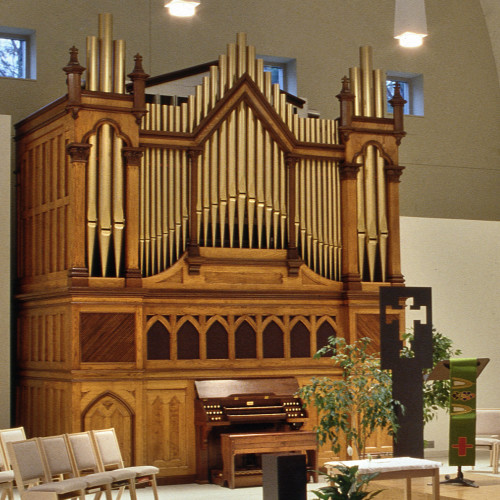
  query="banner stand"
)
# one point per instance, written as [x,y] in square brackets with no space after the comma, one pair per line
[442,372]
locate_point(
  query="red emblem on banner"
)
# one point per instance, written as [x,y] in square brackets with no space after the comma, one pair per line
[462,446]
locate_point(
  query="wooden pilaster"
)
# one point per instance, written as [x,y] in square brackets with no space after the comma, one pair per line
[79,155]
[393,174]
[348,199]
[132,160]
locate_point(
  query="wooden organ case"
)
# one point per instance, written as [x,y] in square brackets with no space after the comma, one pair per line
[163,242]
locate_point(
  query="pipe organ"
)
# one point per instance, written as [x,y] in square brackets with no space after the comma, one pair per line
[164,241]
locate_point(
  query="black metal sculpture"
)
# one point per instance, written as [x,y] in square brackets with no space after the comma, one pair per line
[407,375]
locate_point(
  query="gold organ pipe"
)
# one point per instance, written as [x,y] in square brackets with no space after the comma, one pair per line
[371,208]
[231,174]
[231,64]
[268,186]
[92,201]
[251,174]
[250,65]
[142,204]
[241,46]
[259,74]
[119,66]
[214,157]
[222,178]
[205,170]
[276,187]
[153,182]
[367,80]
[104,203]
[283,195]
[260,166]
[147,219]
[92,81]
[166,208]
[118,202]
[361,215]
[382,213]
[222,75]
[355,78]
[241,170]
[106,52]
[379,89]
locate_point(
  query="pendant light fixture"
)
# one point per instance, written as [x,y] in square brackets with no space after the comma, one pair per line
[410,25]
[182,8]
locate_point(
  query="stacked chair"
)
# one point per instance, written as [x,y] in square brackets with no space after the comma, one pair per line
[6,478]
[488,433]
[68,466]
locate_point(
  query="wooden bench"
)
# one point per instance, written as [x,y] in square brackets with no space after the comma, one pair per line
[267,442]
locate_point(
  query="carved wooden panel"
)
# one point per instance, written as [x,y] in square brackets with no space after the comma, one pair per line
[43,336]
[43,217]
[110,410]
[44,407]
[252,336]
[107,337]
[170,434]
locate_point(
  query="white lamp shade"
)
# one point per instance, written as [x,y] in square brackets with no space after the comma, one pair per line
[410,25]
[182,8]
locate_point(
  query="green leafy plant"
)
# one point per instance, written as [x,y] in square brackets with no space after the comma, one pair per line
[436,392]
[355,404]
[347,485]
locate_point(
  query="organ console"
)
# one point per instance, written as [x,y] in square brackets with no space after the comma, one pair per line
[242,406]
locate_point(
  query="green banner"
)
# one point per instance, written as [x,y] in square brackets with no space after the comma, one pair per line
[463,373]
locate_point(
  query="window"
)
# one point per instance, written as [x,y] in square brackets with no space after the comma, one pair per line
[17,53]
[412,91]
[283,71]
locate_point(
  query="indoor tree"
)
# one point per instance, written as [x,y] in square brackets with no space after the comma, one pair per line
[356,403]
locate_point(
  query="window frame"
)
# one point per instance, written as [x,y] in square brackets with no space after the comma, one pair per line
[28,36]
[415,98]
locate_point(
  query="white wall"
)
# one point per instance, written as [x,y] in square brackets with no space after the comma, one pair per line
[5,304]
[460,260]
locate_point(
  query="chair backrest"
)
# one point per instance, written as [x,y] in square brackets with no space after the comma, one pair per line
[8,435]
[82,452]
[108,448]
[27,462]
[57,458]
[3,461]
[488,422]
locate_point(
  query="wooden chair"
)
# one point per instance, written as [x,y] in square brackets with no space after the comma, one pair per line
[85,461]
[488,433]
[8,435]
[59,465]
[31,475]
[6,478]
[110,458]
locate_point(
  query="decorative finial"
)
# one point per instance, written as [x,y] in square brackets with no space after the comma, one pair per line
[73,65]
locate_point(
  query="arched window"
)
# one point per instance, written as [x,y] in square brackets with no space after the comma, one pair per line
[272,341]
[324,331]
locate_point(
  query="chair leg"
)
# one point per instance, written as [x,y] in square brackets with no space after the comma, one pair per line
[154,487]
[131,489]
[495,453]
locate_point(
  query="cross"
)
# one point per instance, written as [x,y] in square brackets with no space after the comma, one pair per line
[462,446]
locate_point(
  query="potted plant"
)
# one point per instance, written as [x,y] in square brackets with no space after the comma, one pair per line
[347,485]
[436,392]
[355,404]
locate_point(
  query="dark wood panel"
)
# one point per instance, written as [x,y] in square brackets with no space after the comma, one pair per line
[107,337]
